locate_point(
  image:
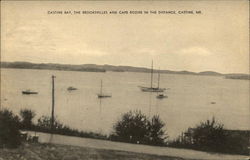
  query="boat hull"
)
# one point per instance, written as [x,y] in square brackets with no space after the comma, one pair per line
[149,89]
[28,92]
[161,96]
[103,96]
[71,89]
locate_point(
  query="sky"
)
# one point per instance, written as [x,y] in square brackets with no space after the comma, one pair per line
[215,40]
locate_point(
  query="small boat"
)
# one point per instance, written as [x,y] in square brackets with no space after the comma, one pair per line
[29,92]
[71,88]
[160,96]
[102,95]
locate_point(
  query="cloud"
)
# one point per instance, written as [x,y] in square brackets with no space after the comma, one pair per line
[148,51]
[92,52]
[31,40]
[199,51]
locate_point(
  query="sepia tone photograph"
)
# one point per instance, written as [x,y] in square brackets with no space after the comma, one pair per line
[125,80]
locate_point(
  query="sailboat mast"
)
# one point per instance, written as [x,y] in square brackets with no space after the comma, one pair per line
[151,84]
[159,78]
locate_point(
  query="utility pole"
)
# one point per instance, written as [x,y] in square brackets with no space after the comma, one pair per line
[53,103]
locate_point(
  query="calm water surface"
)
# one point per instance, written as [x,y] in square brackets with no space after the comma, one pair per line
[188,103]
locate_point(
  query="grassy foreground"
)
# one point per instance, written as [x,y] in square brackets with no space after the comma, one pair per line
[37,151]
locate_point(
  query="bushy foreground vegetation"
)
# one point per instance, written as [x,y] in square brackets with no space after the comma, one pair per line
[9,129]
[44,125]
[11,124]
[133,127]
[211,136]
[26,118]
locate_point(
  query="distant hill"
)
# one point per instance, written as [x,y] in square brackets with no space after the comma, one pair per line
[50,66]
[104,68]
[84,67]
[211,73]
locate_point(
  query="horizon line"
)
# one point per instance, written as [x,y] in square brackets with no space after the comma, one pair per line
[124,66]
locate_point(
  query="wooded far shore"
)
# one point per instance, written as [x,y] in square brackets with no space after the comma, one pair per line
[106,67]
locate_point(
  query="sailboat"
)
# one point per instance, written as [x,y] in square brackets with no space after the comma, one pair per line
[151,88]
[101,94]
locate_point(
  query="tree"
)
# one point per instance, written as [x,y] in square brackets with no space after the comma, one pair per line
[9,129]
[27,116]
[209,135]
[157,134]
[135,127]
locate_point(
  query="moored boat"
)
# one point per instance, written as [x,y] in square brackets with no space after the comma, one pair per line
[29,92]
[71,88]
[103,95]
[160,96]
[151,88]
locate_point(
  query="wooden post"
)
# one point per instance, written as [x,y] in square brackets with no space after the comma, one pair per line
[53,103]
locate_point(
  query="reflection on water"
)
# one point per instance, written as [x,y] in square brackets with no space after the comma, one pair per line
[188,102]
[100,115]
[100,105]
[150,104]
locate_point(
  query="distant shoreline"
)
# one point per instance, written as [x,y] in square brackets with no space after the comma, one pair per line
[104,68]
[238,76]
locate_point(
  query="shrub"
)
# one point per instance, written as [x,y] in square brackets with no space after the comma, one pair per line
[157,134]
[45,123]
[135,127]
[27,116]
[9,129]
[211,136]
[237,142]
